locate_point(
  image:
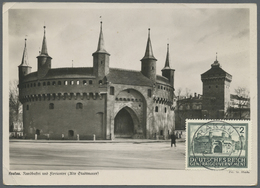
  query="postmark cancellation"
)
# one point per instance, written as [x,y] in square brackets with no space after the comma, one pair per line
[217,144]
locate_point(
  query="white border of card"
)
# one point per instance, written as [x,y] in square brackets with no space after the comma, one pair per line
[197,176]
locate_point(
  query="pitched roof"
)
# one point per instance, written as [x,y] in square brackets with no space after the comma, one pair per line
[149,51]
[162,80]
[25,56]
[101,43]
[216,72]
[167,61]
[64,73]
[128,77]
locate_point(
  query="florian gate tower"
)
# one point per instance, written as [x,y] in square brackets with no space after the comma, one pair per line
[66,103]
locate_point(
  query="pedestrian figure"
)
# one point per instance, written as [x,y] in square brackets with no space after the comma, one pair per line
[173,140]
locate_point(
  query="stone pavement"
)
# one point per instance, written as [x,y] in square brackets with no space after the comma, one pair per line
[98,141]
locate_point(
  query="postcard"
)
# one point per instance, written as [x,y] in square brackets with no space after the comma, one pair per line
[129,94]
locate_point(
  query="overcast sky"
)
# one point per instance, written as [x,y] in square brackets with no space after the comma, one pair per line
[194,35]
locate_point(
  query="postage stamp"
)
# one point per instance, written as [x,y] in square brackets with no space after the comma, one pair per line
[217,144]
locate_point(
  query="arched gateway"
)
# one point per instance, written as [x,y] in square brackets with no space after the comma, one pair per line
[125,122]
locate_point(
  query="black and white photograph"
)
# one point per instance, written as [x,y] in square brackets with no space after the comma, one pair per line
[100,93]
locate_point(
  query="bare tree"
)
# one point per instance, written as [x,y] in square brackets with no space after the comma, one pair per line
[240,105]
[178,92]
[187,92]
[14,105]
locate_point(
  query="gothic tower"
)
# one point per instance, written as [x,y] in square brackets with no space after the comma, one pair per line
[101,57]
[148,68]
[24,67]
[167,71]
[216,92]
[44,60]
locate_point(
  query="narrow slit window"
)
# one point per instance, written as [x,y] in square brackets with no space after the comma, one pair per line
[149,92]
[112,90]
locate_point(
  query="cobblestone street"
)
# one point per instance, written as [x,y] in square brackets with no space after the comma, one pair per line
[38,155]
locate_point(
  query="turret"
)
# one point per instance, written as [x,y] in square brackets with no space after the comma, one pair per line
[101,57]
[148,68]
[44,60]
[167,71]
[24,67]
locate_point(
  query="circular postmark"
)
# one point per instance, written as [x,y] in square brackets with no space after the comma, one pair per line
[216,145]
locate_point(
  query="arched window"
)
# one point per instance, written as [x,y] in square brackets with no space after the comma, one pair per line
[78,82]
[161,87]
[71,82]
[90,82]
[31,85]
[27,107]
[79,105]
[165,109]
[158,87]
[44,84]
[100,82]
[65,83]
[84,82]
[34,85]
[48,83]
[39,83]
[59,82]
[51,106]
[112,90]
[156,109]
[53,83]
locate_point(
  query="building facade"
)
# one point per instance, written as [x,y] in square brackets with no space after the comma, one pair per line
[71,103]
[216,102]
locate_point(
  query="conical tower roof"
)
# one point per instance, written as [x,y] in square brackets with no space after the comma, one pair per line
[44,51]
[167,61]
[149,51]
[101,43]
[25,56]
